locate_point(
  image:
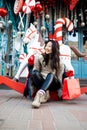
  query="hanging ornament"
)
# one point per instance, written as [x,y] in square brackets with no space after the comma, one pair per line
[51,2]
[2,25]
[71,4]
[82,24]
[18,6]
[35,23]
[3,12]
[38,7]
[75,19]
[47,16]
[82,19]
[28,6]
[43,28]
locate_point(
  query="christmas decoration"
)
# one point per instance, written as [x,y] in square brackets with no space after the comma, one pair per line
[3,12]
[65,51]
[28,6]
[22,57]
[38,7]
[47,16]
[71,4]
[43,28]
[18,6]
[35,23]
[58,28]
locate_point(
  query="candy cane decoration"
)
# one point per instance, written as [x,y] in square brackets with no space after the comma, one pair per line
[28,6]
[58,28]
[21,24]
[18,6]
[65,50]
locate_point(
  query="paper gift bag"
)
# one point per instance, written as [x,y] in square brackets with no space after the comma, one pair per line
[71,89]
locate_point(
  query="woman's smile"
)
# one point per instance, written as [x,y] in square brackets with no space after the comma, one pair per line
[48,48]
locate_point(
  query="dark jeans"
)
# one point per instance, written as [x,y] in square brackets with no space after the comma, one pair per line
[50,83]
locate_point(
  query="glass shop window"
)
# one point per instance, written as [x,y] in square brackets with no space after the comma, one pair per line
[85,44]
[73,40]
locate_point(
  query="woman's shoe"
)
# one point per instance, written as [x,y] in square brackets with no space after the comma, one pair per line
[36,103]
[60,95]
[45,97]
[40,98]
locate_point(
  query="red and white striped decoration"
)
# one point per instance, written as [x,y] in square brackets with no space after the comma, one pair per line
[28,6]
[22,57]
[18,6]
[58,28]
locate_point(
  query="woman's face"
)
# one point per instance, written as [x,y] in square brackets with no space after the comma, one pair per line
[48,48]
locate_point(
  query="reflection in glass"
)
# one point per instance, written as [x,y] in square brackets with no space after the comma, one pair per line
[73,40]
[85,43]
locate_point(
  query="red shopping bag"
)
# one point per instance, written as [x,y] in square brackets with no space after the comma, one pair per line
[71,89]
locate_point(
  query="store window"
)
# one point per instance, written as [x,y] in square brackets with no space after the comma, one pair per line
[85,44]
[73,40]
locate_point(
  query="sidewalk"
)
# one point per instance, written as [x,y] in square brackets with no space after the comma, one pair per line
[16,113]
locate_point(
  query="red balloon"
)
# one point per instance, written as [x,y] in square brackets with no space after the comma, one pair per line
[3,12]
[38,7]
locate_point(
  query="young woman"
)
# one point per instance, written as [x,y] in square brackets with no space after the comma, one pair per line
[47,72]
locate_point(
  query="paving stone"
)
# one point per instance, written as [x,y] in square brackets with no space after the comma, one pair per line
[16,113]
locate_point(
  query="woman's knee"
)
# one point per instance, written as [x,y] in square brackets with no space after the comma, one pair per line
[50,76]
[36,76]
[37,79]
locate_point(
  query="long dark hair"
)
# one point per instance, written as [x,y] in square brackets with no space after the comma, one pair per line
[54,57]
